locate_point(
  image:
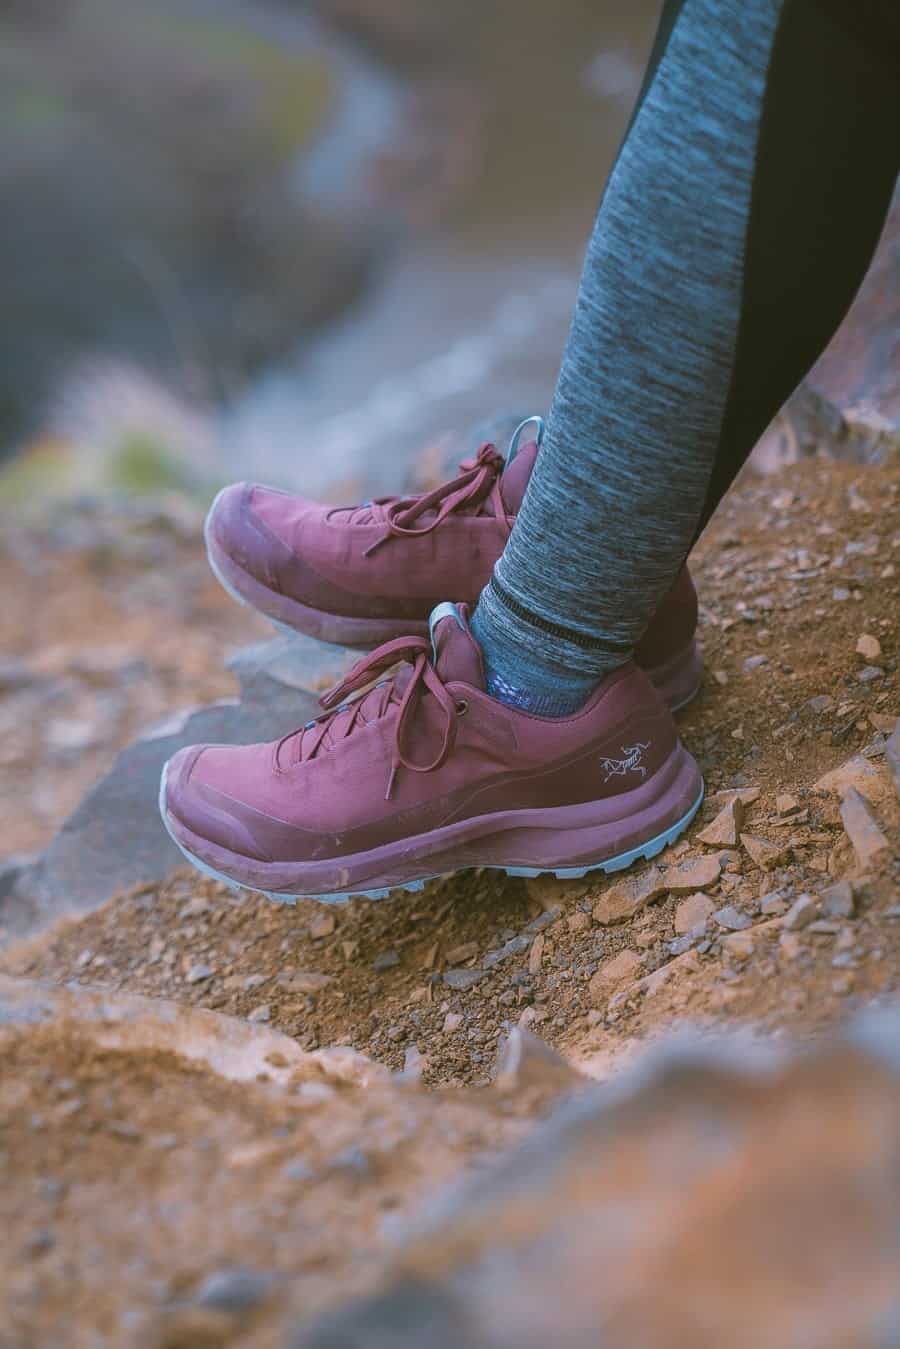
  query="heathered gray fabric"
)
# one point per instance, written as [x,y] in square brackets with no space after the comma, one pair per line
[620,482]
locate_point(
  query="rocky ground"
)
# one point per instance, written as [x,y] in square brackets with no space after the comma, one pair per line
[134,1175]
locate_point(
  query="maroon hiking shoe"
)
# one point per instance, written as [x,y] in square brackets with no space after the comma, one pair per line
[424,774]
[366,574]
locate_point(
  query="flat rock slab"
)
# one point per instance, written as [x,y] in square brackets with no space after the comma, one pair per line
[228,1045]
[114,838]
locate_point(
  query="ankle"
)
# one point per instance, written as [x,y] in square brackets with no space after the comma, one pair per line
[521,677]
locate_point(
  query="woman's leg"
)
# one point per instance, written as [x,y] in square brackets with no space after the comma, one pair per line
[735,228]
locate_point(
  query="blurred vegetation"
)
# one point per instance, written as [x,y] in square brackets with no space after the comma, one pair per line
[148,152]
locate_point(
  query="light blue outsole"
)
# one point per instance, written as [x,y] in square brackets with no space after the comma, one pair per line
[620,862]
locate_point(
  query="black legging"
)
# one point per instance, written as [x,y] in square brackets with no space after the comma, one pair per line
[736,226]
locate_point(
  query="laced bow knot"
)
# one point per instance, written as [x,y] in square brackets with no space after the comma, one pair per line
[415,651]
[478,479]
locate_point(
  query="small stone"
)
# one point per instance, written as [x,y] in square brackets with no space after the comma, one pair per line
[260,1013]
[322,926]
[387,960]
[622,969]
[578,921]
[765,854]
[514,947]
[869,648]
[524,1061]
[195,907]
[536,955]
[462,980]
[197,974]
[725,829]
[625,899]
[349,949]
[731,918]
[255,981]
[234,1290]
[739,944]
[869,843]
[786,804]
[801,913]
[452,1022]
[857,772]
[838,900]
[869,674]
[773,904]
[303,981]
[458,955]
[693,912]
[688,877]
[755,663]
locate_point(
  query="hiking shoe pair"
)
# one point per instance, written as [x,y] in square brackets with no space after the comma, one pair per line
[414,773]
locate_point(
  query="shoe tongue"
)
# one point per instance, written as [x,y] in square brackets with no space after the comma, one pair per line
[456,653]
[516,475]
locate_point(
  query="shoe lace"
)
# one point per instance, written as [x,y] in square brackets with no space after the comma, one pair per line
[477,482]
[340,718]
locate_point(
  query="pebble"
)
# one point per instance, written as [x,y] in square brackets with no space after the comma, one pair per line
[857,772]
[514,947]
[869,843]
[739,944]
[387,960]
[869,674]
[261,1013]
[458,955]
[322,926]
[197,974]
[536,955]
[725,829]
[462,979]
[766,855]
[301,981]
[869,648]
[234,1290]
[801,913]
[731,918]
[838,900]
[578,922]
[786,804]
[625,899]
[693,912]
[688,877]
[452,1022]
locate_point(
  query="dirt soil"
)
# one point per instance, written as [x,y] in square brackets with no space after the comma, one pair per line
[124,1201]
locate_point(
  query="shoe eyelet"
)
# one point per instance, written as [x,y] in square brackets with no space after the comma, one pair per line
[462,707]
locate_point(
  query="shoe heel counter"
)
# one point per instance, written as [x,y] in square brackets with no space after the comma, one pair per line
[673,626]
